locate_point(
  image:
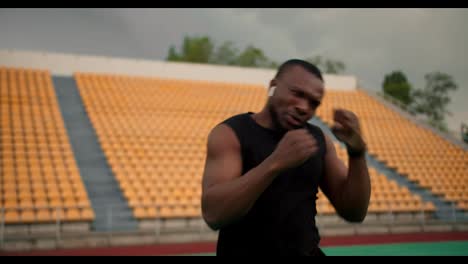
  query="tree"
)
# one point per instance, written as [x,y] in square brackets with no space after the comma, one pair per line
[432,101]
[194,49]
[254,57]
[226,54]
[329,66]
[202,50]
[464,132]
[173,56]
[396,85]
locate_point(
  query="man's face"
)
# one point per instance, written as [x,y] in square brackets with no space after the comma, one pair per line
[298,94]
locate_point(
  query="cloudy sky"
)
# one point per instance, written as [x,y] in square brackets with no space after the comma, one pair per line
[371,42]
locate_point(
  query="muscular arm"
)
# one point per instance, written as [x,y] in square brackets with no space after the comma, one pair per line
[347,189]
[226,196]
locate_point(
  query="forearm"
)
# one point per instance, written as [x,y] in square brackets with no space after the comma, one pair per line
[226,202]
[356,190]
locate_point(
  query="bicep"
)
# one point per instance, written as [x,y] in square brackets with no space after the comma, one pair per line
[223,159]
[335,173]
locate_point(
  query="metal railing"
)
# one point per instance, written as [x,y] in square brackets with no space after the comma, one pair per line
[111,215]
[421,216]
[57,221]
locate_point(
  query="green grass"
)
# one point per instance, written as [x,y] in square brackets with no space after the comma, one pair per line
[450,248]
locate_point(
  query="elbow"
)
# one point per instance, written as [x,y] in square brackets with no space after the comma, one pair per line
[356,217]
[211,221]
[209,216]
[213,226]
[357,212]
[217,215]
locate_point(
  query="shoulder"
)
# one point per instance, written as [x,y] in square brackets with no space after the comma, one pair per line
[238,124]
[320,136]
[226,134]
[313,127]
[236,120]
[222,139]
[316,131]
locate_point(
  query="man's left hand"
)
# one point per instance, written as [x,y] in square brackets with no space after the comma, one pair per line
[347,129]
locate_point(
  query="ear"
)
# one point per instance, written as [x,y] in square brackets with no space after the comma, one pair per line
[271,91]
[272,88]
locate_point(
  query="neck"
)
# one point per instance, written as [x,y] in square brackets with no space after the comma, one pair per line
[265,119]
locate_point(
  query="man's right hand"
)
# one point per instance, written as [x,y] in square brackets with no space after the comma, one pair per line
[293,150]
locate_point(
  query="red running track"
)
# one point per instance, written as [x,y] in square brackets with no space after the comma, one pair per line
[205,247]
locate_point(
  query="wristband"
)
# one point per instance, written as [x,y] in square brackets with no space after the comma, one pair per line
[352,153]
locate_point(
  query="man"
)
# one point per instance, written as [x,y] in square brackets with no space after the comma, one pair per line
[263,170]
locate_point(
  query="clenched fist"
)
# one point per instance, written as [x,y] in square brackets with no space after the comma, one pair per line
[295,148]
[347,130]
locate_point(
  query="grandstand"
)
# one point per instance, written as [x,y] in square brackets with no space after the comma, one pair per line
[96,146]
[40,178]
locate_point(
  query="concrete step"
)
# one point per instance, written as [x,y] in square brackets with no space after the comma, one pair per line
[443,209]
[100,183]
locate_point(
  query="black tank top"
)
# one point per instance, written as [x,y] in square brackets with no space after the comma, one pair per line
[282,220]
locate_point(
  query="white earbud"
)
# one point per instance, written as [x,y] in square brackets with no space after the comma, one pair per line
[271,91]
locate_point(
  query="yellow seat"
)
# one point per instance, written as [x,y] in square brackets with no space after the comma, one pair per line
[26,202]
[56,202]
[193,211]
[72,215]
[69,201]
[429,207]
[166,212]
[87,214]
[27,216]
[12,217]
[139,212]
[151,212]
[150,159]
[41,202]
[43,216]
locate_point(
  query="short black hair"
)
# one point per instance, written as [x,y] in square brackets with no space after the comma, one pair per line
[304,64]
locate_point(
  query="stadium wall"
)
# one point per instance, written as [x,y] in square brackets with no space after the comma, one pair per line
[65,64]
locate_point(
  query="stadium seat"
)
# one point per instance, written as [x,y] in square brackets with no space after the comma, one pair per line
[146,165]
[33,139]
[27,216]
[44,215]
[12,216]
[400,143]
